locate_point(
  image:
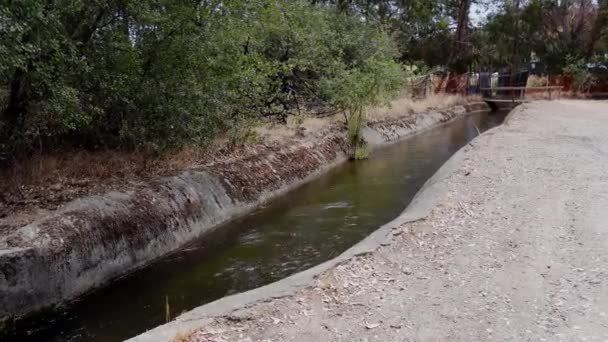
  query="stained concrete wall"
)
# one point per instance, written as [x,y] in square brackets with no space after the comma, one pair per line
[91,241]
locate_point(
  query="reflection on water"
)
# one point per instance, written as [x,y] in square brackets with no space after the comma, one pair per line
[295,232]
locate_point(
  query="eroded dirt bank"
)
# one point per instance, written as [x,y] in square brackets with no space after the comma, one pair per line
[88,242]
[506,242]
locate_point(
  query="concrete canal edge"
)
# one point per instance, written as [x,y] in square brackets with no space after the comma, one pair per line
[418,209]
[91,241]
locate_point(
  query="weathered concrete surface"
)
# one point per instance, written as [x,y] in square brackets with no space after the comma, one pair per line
[91,241]
[507,242]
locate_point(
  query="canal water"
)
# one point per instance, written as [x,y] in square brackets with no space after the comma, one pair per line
[310,225]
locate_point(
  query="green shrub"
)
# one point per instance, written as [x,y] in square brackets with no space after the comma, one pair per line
[243,132]
[582,78]
[159,74]
[361,152]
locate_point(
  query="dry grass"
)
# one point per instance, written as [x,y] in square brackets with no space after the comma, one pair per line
[537,81]
[46,181]
[272,132]
[183,336]
[77,164]
[52,168]
[405,105]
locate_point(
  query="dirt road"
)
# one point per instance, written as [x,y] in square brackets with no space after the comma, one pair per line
[512,246]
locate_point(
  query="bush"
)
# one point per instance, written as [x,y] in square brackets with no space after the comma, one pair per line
[582,78]
[158,74]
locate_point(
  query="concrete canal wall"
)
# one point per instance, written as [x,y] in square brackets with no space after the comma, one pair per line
[91,241]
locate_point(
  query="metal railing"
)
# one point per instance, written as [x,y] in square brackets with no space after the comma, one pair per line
[515,94]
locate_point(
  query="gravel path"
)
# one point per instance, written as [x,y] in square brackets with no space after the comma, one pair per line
[515,249]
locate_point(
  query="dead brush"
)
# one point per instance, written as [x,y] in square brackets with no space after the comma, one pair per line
[45,181]
[80,165]
[101,165]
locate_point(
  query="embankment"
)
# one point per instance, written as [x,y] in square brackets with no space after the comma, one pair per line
[506,242]
[91,241]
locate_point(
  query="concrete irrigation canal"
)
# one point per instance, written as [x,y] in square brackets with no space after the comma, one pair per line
[294,232]
[506,242]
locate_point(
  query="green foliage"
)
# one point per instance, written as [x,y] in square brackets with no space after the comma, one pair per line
[6,325]
[356,122]
[361,152]
[582,78]
[157,74]
[244,133]
[555,32]
[513,33]
[371,78]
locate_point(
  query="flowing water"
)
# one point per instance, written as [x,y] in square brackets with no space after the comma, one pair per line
[312,224]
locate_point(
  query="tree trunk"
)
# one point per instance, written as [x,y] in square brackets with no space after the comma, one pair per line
[514,62]
[342,5]
[459,46]
[14,111]
[598,26]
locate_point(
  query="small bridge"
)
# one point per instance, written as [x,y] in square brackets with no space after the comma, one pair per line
[516,95]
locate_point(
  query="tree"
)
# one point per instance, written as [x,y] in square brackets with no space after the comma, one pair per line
[158,74]
[460,52]
[555,31]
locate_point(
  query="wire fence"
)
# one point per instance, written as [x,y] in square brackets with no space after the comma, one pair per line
[502,85]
